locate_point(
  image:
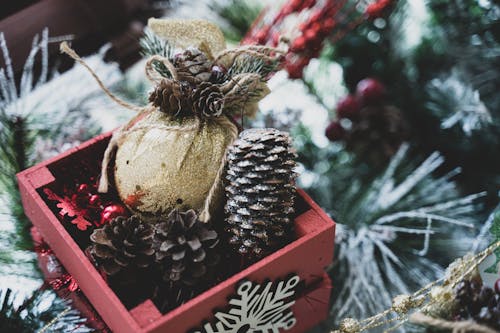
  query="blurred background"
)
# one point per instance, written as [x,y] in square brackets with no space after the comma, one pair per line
[393,107]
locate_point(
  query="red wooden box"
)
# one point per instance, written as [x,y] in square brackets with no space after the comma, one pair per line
[306,257]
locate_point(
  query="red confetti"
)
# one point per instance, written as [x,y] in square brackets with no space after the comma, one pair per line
[67,207]
[65,281]
[134,200]
[81,223]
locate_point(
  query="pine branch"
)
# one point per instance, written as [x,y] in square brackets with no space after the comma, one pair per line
[151,45]
[248,64]
[37,121]
[397,228]
[32,315]
[238,16]
[495,235]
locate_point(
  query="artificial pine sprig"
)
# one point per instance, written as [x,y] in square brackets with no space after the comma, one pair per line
[153,45]
[33,316]
[15,135]
[392,224]
[238,16]
[495,235]
[35,124]
[248,64]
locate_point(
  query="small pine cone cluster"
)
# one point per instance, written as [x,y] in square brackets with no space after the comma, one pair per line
[193,66]
[479,303]
[260,192]
[185,248]
[208,100]
[172,97]
[124,244]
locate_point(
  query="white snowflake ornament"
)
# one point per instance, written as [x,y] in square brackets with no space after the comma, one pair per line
[258,309]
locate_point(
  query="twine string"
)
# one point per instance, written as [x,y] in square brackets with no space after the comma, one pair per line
[65,48]
[205,213]
[455,326]
[152,73]
[257,51]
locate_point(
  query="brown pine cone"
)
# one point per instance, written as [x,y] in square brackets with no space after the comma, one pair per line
[193,66]
[172,97]
[208,100]
[478,302]
[260,192]
[377,129]
[123,243]
[185,248]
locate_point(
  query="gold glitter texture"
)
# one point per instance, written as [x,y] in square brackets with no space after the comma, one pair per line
[162,164]
[183,33]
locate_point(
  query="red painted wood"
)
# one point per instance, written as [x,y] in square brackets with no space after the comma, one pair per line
[307,256]
[313,307]
[53,272]
[145,313]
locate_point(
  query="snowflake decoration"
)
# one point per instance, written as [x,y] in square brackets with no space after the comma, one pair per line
[258,309]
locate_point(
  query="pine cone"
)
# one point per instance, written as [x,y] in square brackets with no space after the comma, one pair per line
[123,243]
[208,100]
[377,130]
[193,66]
[479,303]
[260,192]
[185,247]
[172,97]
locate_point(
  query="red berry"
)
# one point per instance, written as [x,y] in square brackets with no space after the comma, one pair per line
[334,131]
[261,36]
[310,35]
[370,91]
[303,26]
[497,286]
[275,38]
[94,199]
[112,211]
[316,27]
[295,65]
[308,3]
[83,188]
[316,16]
[376,9]
[328,24]
[299,44]
[348,107]
[296,5]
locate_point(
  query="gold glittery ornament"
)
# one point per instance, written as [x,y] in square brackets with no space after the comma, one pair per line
[163,163]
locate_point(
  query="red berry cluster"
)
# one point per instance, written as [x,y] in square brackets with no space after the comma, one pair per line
[369,92]
[313,31]
[326,16]
[98,209]
[308,46]
[268,33]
